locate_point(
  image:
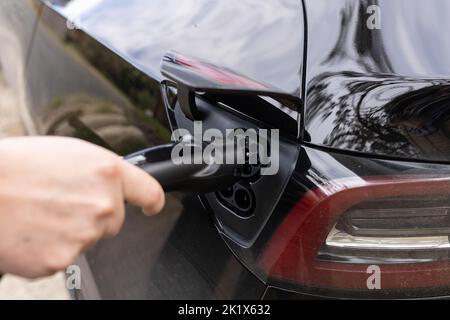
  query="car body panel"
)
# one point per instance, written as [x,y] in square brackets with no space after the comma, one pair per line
[102,84]
[241,35]
[379,91]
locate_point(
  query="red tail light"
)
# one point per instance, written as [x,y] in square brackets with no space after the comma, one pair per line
[335,232]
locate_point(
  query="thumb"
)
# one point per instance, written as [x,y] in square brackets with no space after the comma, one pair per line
[142,190]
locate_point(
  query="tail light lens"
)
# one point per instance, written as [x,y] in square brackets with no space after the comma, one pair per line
[391,230]
[341,227]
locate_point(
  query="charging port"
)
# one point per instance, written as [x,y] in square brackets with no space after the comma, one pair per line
[239,198]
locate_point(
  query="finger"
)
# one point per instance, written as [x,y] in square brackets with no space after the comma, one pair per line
[141,189]
[115,222]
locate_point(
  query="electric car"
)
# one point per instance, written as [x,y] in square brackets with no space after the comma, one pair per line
[358,92]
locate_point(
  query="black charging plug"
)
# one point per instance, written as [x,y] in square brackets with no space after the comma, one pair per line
[196,176]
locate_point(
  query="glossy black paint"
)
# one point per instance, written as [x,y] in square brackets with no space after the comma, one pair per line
[78,87]
[178,256]
[243,36]
[376,93]
[381,91]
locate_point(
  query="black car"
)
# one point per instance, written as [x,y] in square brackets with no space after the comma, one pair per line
[358,89]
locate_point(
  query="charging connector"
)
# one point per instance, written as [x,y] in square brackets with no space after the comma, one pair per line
[197,176]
